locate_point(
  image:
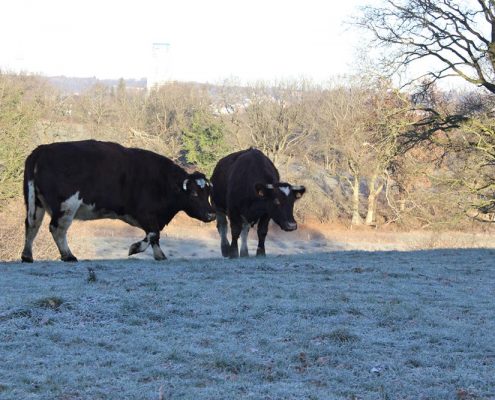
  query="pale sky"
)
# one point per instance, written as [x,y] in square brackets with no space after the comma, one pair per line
[210,40]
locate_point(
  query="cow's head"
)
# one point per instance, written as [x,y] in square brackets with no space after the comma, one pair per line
[279,201]
[196,189]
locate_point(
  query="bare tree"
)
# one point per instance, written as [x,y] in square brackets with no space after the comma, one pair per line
[169,111]
[277,118]
[98,108]
[23,104]
[342,137]
[230,107]
[361,124]
[458,34]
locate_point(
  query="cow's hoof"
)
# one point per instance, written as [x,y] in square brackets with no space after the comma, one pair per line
[27,259]
[69,258]
[260,252]
[234,254]
[244,253]
[135,248]
[225,251]
[160,258]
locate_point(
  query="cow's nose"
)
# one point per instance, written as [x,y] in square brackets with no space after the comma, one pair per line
[291,226]
[211,216]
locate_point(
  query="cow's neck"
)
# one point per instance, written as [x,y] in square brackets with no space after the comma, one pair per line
[255,211]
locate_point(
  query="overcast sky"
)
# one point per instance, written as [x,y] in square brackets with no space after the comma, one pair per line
[210,40]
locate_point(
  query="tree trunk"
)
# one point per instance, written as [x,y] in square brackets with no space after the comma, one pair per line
[372,200]
[356,217]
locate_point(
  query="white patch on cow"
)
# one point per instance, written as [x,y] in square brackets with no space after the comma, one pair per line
[60,236]
[143,245]
[69,209]
[222,227]
[244,237]
[269,186]
[285,190]
[201,183]
[158,253]
[184,184]
[71,205]
[222,224]
[31,231]
[31,203]
[86,212]
[298,187]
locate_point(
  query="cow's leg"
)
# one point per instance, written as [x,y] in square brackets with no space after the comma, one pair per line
[235,228]
[222,227]
[262,231]
[154,238]
[244,238]
[61,220]
[58,228]
[140,246]
[32,225]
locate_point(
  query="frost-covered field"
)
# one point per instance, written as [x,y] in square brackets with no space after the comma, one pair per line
[338,325]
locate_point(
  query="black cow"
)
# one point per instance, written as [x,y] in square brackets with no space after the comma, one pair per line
[247,188]
[92,180]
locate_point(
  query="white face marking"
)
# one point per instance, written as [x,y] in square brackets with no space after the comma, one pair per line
[269,186]
[201,183]
[184,185]
[285,190]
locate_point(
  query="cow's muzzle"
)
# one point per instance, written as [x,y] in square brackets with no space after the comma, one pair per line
[210,217]
[290,226]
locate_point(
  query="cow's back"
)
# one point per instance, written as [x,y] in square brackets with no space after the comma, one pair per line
[89,166]
[104,173]
[220,179]
[234,177]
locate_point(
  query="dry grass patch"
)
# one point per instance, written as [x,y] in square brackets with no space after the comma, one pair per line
[12,236]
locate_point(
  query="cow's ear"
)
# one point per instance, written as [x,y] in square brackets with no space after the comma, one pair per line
[298,191]
[263,189]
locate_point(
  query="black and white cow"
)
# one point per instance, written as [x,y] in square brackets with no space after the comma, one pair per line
[247,189]
[93,180]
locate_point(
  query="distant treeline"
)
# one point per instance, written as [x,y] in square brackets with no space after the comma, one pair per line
[72,85]
[367,152]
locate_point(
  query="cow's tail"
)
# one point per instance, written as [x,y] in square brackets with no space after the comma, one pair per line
[29,186]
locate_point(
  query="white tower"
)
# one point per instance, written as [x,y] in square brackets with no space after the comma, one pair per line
[160,65]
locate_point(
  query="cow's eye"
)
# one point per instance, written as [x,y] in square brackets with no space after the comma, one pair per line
[277,202]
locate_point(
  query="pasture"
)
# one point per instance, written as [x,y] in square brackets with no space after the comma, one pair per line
[329,325]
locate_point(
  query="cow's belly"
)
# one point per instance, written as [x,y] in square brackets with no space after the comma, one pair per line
[87,212]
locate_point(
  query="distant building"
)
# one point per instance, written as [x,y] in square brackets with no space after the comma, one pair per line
[160,72]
